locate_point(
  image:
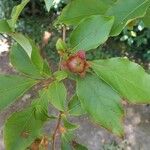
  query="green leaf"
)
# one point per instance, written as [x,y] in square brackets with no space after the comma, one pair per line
[16,12]
[146,18]
[21,61]
[4,26]
[25,126]
[91,32]
[109,2]
[126,77]
[68,125]
[57,95]
[101,102]
[33,58]
[40,105]
[40,111]
[61,45]
[124,12]
[74,107]
[23,41]
[48,4]
[77,10]
[46,68]
[60,75]
[78,146]
[13,87]
[21,129]
[36,57]
[65,145]
[66,139]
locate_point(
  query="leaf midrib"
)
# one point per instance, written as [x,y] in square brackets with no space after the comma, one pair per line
[121,78]
[17,87]
[86,37]
[131,12]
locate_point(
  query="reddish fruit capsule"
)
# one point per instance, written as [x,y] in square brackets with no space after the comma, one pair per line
[76,64]
[81,54]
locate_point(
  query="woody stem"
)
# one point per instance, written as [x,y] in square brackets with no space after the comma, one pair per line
[55,132]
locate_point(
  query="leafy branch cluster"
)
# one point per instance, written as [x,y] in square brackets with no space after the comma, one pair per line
[101,85]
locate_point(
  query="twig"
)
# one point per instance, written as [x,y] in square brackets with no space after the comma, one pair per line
[55,131]
[3,36]
[64,33]
[64,39]
[60,114]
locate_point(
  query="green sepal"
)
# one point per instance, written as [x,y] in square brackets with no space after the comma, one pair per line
[61,45]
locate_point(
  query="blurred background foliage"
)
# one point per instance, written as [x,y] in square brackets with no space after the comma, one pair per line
[35,21]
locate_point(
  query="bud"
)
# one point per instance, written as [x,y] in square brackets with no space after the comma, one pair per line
[81,54]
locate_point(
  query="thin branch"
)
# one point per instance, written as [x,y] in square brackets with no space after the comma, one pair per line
[64,33]
[64,39]
[55,132]
[43,83]
[60,114]
[3,36]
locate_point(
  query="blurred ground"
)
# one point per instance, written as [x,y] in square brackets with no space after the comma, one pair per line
[137,121]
